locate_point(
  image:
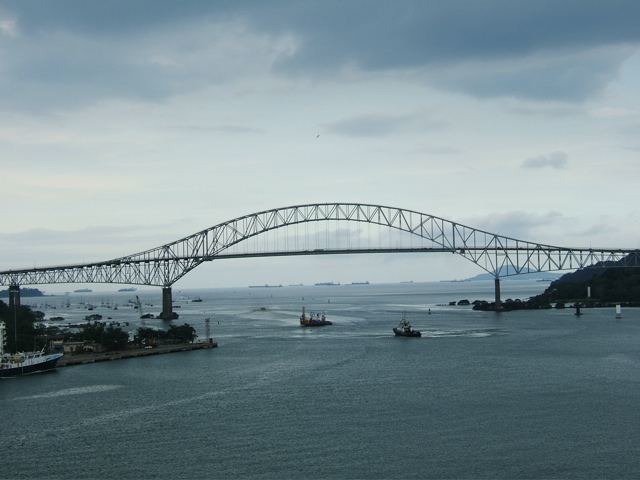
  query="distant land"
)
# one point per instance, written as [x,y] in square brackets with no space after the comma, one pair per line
[524,276]
[24,292]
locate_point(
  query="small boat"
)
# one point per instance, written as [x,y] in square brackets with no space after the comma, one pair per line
[196,299]
[314,320]
[23,363]
[404,328]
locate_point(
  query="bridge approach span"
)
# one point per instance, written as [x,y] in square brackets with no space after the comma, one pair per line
[286,232]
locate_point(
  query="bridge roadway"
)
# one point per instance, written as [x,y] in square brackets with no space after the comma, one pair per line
[276,232]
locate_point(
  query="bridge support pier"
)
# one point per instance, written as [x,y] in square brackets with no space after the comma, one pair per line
[14,295]
[167,305]
[497,294]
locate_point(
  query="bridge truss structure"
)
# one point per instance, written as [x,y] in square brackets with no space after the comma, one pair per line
[319,229]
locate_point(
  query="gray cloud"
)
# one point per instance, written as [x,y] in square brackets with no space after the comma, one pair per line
[66,53]
[518,224]
[225,129]
[371,125]
[554,160]
[547,110]
[569,76]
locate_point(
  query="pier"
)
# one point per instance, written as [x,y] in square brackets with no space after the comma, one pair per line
[68,360]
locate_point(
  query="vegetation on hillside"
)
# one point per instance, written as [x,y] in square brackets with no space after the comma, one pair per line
[24,292]
[621,285]
[597,286]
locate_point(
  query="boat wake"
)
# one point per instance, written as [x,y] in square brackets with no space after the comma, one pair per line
[74,391]
[489,332]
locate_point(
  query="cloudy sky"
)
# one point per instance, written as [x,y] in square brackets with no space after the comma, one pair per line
[128,124]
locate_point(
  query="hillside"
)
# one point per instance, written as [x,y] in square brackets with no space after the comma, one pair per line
[607,283]
[24,292]
[526,276]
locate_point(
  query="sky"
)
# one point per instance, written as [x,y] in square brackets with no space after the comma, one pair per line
[125,125]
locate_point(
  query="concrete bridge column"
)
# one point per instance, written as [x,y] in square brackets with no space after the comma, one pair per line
[497,290]
[14,295]
[167,305]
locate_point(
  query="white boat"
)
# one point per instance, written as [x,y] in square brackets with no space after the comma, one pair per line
[24,363]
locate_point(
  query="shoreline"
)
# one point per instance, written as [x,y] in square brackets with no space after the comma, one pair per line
[69,360]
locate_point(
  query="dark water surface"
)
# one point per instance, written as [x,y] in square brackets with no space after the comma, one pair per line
[480,395]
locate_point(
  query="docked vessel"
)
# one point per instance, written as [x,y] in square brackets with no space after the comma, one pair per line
[314,320]
[404,328]
[23,363]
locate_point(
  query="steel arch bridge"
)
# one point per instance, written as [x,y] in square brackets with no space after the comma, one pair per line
[414,232]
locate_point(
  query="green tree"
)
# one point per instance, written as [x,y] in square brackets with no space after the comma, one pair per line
[111,338]
[89,332]
[183,334]
[24,319]
[115,339]
[147,336]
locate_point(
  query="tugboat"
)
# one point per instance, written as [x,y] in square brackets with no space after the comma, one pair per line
[404,328]
[317,320]
[23,363]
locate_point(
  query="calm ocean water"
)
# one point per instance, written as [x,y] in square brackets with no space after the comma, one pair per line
[480,395]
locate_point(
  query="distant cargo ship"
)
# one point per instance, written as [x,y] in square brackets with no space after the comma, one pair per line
[327,284]
[83,290]
[265,286]
[359,283]
[130,289]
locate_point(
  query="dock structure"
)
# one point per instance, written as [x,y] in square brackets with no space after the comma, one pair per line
[85,358]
